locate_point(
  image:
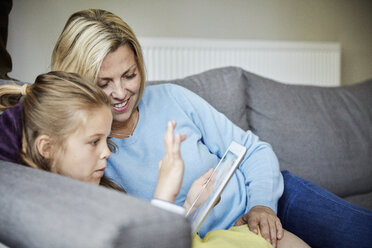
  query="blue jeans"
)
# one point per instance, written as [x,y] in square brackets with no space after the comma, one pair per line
[321,218]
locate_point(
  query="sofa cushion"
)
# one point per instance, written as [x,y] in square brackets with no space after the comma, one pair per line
[364,200]
[321,134]
[41,209]
[223,88]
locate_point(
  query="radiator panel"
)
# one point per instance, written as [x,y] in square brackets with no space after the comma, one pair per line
[307,63]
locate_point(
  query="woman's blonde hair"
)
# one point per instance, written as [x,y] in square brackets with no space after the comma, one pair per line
[52,105]
[87,38]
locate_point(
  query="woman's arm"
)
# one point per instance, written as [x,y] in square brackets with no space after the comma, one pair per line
[259,167]
[260,180]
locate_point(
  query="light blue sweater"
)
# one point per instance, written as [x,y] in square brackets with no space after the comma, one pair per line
[134,166]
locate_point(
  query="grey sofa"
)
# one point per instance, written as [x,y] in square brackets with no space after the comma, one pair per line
[321,134]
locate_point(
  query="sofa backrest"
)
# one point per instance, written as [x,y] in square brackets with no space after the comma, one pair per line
[323,134]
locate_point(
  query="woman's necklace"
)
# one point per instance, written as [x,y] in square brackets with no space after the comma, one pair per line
[131,131]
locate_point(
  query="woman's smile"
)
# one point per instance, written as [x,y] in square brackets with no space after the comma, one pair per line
[121,107]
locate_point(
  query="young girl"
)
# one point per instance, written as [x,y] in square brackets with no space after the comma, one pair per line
[66,127]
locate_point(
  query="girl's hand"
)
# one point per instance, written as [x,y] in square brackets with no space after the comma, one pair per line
[171,167]
[197,188]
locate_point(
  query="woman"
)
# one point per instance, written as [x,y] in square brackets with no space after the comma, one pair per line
[66,127]
[102,47]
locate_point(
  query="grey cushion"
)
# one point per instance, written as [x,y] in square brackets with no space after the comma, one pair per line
[40,209]
[321,134]
[223,88]
[364,200]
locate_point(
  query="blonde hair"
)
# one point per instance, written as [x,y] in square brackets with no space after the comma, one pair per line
[87,38]
[11,94]
[50,106]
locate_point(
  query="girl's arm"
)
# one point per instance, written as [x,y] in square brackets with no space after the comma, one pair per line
[171,170]
[171,167]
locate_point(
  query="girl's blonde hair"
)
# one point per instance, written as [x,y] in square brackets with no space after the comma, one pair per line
[87,38]
[52,105]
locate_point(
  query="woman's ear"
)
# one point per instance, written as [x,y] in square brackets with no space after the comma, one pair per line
[44,146]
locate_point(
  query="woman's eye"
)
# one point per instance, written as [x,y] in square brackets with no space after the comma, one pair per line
[102,85]
[131,76]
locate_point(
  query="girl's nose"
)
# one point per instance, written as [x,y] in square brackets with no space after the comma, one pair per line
[106,152]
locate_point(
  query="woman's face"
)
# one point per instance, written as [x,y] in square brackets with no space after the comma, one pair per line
[86,150]
[119,78]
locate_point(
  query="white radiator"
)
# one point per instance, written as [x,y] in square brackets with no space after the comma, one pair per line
[310,63]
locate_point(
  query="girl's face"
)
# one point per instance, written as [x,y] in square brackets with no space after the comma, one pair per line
[119,78]
[86,150]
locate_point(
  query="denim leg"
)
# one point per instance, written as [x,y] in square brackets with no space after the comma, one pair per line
[321,218]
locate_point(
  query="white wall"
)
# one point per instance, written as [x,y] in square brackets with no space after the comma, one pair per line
[35,25]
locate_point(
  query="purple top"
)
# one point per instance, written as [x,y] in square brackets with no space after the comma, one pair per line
[11,133]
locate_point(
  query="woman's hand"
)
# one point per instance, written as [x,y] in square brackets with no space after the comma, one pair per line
[270,226]
[171,167]
[197,188]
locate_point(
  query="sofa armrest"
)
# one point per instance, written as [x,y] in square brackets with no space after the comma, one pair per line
[41,209]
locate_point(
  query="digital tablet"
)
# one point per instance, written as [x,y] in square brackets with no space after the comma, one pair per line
[224,170]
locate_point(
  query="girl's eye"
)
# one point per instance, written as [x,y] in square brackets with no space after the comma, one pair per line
[94,142]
